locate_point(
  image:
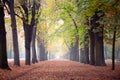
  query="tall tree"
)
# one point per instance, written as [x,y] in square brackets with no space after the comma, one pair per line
[28,11]
[38,13]
[10,4]
[113,49]
[98,34]
[34,57]
[3,49]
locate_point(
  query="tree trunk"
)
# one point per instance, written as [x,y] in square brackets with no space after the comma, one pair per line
[86,47]
[99,49]
[98,36]
[14,34]
[28,36]
[38,47]
[34,56]
[42,50]
[3,49]
[72,53]
[113,50]
[92,45]
[76,49]
[82,55]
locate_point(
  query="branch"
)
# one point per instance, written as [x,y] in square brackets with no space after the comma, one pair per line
[7,9]
[20,9]
[75,24]
[19,16]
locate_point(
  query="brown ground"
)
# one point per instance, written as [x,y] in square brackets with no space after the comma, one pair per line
[60,70]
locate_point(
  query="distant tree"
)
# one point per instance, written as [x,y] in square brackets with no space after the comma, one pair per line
[42,52]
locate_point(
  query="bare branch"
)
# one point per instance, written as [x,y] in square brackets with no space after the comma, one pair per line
[19,16]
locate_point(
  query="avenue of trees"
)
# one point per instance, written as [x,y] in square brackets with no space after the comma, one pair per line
[84,26]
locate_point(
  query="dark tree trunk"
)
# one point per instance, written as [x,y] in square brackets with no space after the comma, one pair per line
[99,49]
[3,49]
[98,36]
[28,36]
[113,50]
[92,45]
[14,33]
[28,27]
[86,47]
[34,56]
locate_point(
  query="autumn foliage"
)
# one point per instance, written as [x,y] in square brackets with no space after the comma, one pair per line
[60,70]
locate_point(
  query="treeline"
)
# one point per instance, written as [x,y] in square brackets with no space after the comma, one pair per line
[28,11]
[91,25]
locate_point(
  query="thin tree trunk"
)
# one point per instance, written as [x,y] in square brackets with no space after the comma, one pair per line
[76,48]
[34,56]
[92,45]
[86,47]
[38,47]
[14,34]
[113,50]
[3,49]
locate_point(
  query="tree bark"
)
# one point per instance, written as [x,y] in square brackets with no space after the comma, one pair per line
[14,33]
[28,36]
[3,49]
[113,50]
[86,48]
[28,27]
[98,36]
[34,56]
[92,45]
[99,49]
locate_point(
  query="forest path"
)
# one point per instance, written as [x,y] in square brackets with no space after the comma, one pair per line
[61,70]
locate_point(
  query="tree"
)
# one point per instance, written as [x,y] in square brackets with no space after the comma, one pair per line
[10,4]
[28,10]
[38,13]
[111,22]
[68,14]
[34,57]
[42,53]
[3,49]
[98,36]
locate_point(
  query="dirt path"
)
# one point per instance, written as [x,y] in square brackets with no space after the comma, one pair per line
[61,70]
